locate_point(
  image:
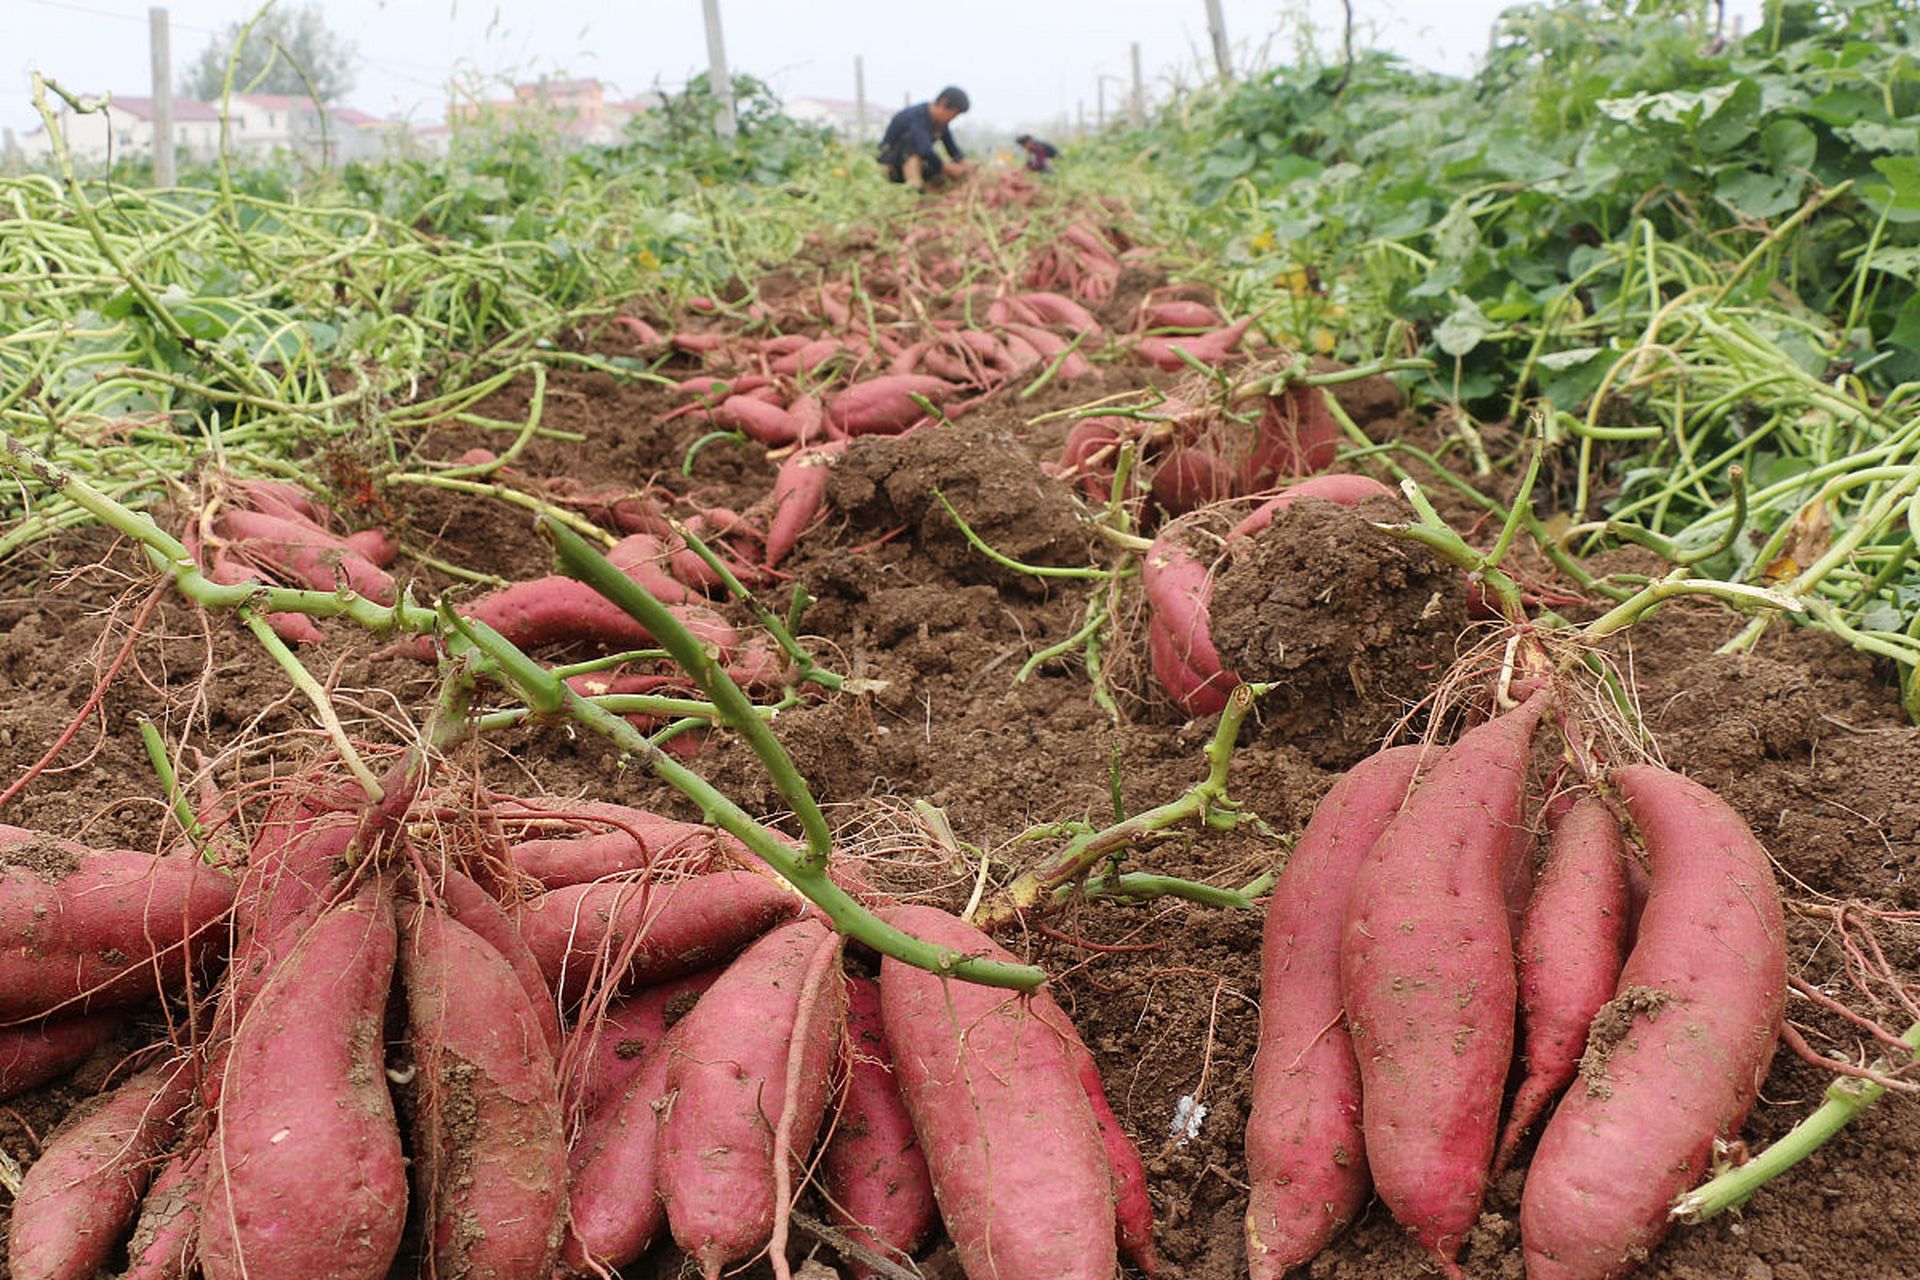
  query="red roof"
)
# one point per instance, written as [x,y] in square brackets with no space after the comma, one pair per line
[183,108]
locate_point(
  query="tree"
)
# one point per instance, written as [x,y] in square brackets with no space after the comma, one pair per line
[295,48]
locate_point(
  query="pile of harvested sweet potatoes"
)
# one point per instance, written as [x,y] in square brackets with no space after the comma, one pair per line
[534,1037]
[1645,958]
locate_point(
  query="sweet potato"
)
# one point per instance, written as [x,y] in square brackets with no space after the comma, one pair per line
[1189,476]
[1306,1155]
[83,929]
[1132,1206]
[305,1178]
[1088,457]
[79,1197]
[643,557]
[377,545]
[1296,435]
[1056,309]
[560,610]
[1572,943]
[1347,490]
[614,1208]
[603,1053]
[643,933]
[307,556]
[750,1077]
[1179,638]
[1210,348]
[798,490]
[1426,964]
[807,358]
[1000,1111]
[1675,1060]
[635,840]
[770,424]
[885,405]
[36,1052]
[1179,313]
[878,1190]
[477,910]
[488,1146]
[168,1229]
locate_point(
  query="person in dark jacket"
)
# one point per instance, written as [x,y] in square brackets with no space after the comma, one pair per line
[1039,154]
[907,148]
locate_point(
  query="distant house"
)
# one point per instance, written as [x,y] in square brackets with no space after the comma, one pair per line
[842,115]
[124,130]
[578,109]
[256,123]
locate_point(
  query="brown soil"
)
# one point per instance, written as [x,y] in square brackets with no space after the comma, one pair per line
[1804,738]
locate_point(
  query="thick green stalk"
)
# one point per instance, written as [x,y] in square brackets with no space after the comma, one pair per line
[736,709]
[540,687]
[1206,800]
[1846,1098]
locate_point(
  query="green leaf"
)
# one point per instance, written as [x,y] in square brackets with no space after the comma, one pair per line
[1759,195]
[1568,359]
[1462,331]
[1871,135]
[1789,144]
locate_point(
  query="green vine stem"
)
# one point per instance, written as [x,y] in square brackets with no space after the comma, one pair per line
[1090,572]
[735,709]
[1206,800]
[162,763]
[1144,886]
[803,660]
[550,695]
[1846,1098]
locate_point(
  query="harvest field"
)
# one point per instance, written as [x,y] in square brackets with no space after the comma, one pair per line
[380,548]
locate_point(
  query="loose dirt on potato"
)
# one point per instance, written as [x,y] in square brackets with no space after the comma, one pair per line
[1804,738]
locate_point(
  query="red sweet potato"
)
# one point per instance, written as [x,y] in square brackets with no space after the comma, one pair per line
[643,933]
[305,1178]
[36,1052]
[1132,1207]
[1209,348]
[1347,490]
[770,424]
[1676,1059]
[561,610]
[1056,309]
[634,840]
[477,911]
[1296,435]
[807,358]
[614,1208]
[307,556]
[79,1197]
[999,1109]
[885,405]
[488,1150]
[878,1190]
[1179,638]
[603,1053]
[798,490]
[1572,943]
[377,545]
[1179,313]
[1426,964]
[750,1077]
[1088,456]
[168,1229]
[281,498]
[643,557]
[1189,476]
[82,930]
[1306,1155]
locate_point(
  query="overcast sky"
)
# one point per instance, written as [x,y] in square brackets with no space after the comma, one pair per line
[1023,61]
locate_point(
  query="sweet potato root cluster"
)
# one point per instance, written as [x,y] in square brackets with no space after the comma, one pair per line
[1392,980]
[529,1037]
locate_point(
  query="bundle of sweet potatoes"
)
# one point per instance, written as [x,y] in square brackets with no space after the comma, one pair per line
[1645,956]
[547,1034]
